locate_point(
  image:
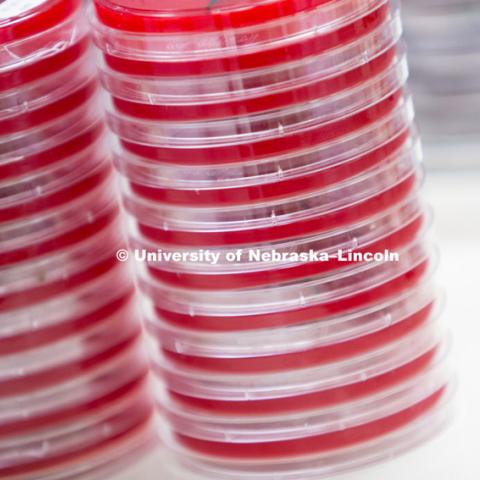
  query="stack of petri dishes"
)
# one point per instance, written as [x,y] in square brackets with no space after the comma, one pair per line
[73,377]
[444,52]
[271,172]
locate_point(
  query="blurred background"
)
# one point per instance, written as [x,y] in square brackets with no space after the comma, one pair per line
[443,38]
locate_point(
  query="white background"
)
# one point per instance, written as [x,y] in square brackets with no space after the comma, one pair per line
[455,454]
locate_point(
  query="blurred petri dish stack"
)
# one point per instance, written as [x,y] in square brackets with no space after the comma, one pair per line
[271,173]
[443,39]
[73,375]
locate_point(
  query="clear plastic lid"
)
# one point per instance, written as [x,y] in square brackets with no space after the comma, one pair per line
[24,269]
[118,404]
[270,179]
[233,183]
[65,357]
[51,378]
[262,215]
[243,129]
[53,186]
[50,175]
[37,69]
[231,94]
[236,57]
[67,314]
[310,445]
[18,385]
[26,429]
[129,30]
[120,401]
[118,373]
[264,342]
[38,94]
[32,30]
[32,335]
[262,386]
[231,306]
[218,233]
[277,143]
[51,141]
[105,458]
[270,100]
[388,229]
[410,428]
[202,16]
[24,18]
[87,443]
[343,416]
[287,360]
[352,237]
[17,123]
[31,282]
[306,400]
[58,228]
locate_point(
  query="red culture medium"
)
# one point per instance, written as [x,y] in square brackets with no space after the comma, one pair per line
[294,229]
[60,241]
[134,422]
[54,376]
[21,19]
[280,188]
[248,106]
[309,401]
[313,444]
[278,145]
[71,326]
[248,279]
[394,286]
[96,406]
[304,358]
[147,16]
[260,59]
[52,111]
[50,289]
[87,135]
[63,195]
